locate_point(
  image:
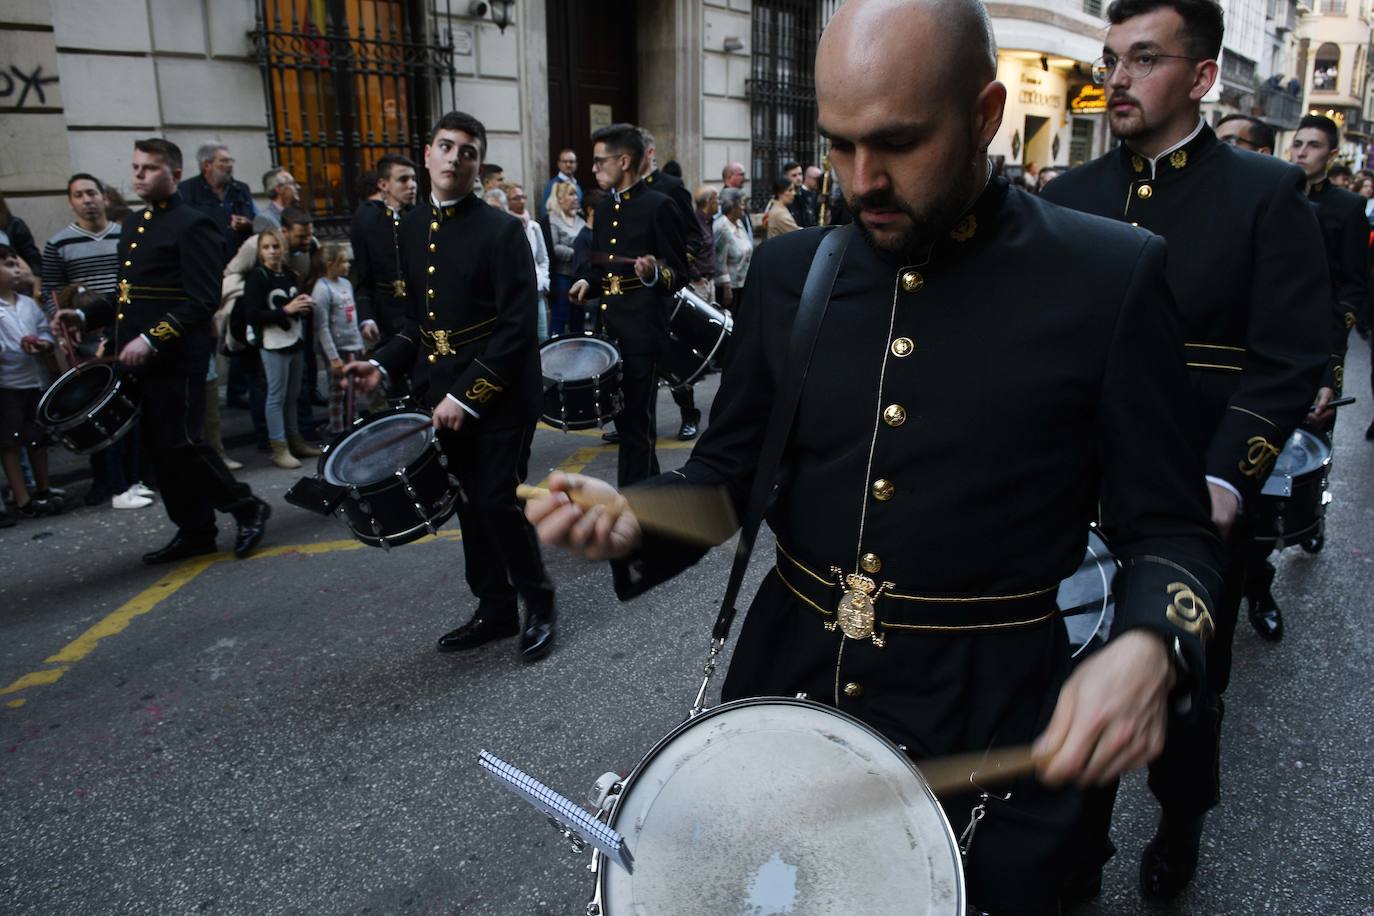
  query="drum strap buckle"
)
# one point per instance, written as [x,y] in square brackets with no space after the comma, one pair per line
[708,671]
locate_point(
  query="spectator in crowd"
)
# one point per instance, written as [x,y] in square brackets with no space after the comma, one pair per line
[703,274]
[492,176]
[567,174]
[1047,174]
[15,233]
[278,184]
[116,207]
[278,312]
[1340,176]
[734,237]
[732,176]
[582,253]
[565,224]
[779,219]
[302,250]
[83,258]
[495,197]
[515,205]
[216,193]
[336,327]
[806,208]
[803,201]
[24,334]
[674,168]
[1247,132]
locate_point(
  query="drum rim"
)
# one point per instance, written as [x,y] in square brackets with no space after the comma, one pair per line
[410,534]
[111,388]
[359,424]
[593,380]
[1327,450]
[628,782]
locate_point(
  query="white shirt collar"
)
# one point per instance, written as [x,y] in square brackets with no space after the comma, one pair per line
[1201,122]
[443,203]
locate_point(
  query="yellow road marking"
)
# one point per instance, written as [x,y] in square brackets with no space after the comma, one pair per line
[36,679]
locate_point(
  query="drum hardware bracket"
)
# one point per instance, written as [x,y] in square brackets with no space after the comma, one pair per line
[708,671]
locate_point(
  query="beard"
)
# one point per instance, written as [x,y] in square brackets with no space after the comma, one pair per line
[928,222]
[1130,125]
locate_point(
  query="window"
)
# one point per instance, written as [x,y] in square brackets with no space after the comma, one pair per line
[1326,69]
[782,91]
[347,81]
[1331,7]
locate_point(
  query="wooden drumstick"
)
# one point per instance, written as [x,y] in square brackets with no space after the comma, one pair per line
[697,515]
[978,770]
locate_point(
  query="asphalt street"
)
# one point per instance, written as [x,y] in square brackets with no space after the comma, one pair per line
[278,735]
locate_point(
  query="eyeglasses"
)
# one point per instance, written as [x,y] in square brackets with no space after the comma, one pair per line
[1137,65]
[1235,140]
[597,160]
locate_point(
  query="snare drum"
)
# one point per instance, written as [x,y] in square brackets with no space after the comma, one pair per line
[582,380]
[780,806]
[1292,503]
[395,476]
[1085,598]
[696,332]
[90,406]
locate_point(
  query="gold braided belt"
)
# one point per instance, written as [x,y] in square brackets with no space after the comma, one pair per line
[616,285]
[863,608]
[129,292]
[442,342]
[1214,357]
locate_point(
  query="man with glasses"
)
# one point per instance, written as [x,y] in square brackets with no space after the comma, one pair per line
[637,263]
[1247,132]
[216,193]
[1246,269]
[378,288]
[278,184]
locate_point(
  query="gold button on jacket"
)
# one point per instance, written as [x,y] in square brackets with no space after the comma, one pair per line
[894,415]
[912,281]
[883,490]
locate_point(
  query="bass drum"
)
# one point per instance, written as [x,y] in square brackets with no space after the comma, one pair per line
[697,331]
[1085,598]
[582,381]
[90,406]
[780,806]
[1292,504]
[394,476]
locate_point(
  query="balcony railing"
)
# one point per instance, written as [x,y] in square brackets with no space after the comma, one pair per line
[1279,108]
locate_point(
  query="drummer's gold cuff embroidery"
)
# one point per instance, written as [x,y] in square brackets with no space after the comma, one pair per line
[1259,458]
[1188,612]
[482,391]
[163,331]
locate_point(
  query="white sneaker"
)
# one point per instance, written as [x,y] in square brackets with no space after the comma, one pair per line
[139,489]
[130,500]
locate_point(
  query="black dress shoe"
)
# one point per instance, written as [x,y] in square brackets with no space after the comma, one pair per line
[536,639]
[610,436]
[487,625]
[1266,617]
[688,431]
[1170,859]
[252,526]
[179,548]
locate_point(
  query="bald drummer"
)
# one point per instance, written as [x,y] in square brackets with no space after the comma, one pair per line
[955,504]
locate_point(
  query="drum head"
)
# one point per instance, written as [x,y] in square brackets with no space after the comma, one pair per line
[1085,598]
[782,806]
[378,449]
[1302,454]
[76,392]
[577,357]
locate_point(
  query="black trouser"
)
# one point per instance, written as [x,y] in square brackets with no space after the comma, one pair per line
[192,476]
[684,396]
[500,547]
[637,422]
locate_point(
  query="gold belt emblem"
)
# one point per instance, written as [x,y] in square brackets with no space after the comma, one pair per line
[398,288]
[441,346]
[124,286]
[615,286]
[854,617]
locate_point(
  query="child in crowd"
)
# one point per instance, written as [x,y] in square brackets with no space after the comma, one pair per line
[276,310]
[24,334]
[336,327]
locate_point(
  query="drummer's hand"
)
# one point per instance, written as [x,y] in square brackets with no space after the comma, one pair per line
[71,319]
[1225,508]
[597,533]
[1111,715]
[448,415]
[371,334]
[136,352]
[646,268]
[578,292]
[1320,413]
[727,296]
[365,376]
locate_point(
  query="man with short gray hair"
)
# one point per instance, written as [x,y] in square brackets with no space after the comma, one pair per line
[278,184]
[215,192]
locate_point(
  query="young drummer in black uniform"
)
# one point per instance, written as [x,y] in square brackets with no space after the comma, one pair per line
[956,498]
[637,261]
[170,256]
[1247,269]
[378,287]
[470,350]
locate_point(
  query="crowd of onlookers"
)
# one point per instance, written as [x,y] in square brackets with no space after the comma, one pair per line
[288,321]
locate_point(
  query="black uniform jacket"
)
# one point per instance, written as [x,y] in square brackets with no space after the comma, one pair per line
[169,284]
[376,239]
[956,422]
[1345,229]
[631,224]
[672,187]
[1248,271]
[470,326]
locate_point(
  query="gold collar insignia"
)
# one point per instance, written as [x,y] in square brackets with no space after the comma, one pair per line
[1179,158]
[965,229]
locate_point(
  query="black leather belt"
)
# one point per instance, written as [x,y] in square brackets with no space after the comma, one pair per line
[1216,357]
[894,610]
